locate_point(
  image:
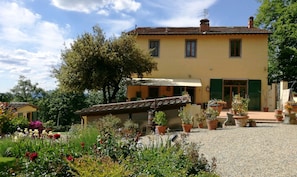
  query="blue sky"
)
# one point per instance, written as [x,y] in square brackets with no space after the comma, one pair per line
[33,32]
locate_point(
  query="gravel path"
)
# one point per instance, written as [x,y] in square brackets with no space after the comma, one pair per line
[268,150]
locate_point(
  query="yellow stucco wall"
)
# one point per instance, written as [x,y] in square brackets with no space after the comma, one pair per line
[212,59]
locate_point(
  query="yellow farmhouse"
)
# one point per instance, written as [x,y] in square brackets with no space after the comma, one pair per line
[206,61]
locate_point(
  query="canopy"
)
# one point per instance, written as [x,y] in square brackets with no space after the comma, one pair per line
[165,82]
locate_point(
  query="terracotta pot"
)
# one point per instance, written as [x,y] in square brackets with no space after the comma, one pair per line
[200,125]
[212,124]
[278,111]
[187,127]
[219,108]
[160,130]
[279,118]
[265,109]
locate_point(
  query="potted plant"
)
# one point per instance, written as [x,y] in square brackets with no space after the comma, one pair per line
[211,115]
[252,123]
[265,108]
[217,104]
[200,117]
[240,110]
[161,121]
[186,117]
[290,116]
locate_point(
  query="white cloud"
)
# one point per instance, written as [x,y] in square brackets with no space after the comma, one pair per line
[29,45]
[178,12]
[88,6]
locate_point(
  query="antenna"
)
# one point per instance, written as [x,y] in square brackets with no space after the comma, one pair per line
[205,13]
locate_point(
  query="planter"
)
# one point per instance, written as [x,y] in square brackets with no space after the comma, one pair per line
[279,118]
[219,108]
[241,121]
[212,124]
[252,124]
[290,118]
[278,111]
[160,130]
[265,109]
[187,127]
[200,125]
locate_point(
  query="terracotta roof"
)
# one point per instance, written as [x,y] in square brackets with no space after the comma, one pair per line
[20,104]
[196,31]
[136,106]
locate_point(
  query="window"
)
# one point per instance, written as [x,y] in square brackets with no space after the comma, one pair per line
[235,47]
[154,47]
[190,48]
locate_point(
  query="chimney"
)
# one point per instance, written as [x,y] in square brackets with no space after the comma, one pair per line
[204,25]
[251,22]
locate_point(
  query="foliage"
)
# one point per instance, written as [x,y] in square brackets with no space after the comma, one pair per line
[280,18]
[99,152]
[211,113]
[108,122]
[200,116]
[240,105]
[6,115]
[90,166]
[60,107]
[25,91]
[185,114]
[160,118]
[95,63]
[14,124]
[216,102]
[6,97]
[162,158]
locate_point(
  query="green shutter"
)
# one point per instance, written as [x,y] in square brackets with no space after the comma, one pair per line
[216,88]
[254,92]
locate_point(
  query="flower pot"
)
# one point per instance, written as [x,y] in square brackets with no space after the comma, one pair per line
[212,124]
[265,109]
[200,125]
[279,118]
[187,127]
[241,121]
[160,129]
[219,108]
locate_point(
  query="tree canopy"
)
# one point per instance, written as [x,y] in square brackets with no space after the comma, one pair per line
[95,63]
[280,17]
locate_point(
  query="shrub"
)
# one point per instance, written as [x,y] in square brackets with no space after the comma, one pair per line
[14,124]
[89,166]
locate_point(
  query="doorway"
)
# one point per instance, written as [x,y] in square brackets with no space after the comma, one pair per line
[234,87]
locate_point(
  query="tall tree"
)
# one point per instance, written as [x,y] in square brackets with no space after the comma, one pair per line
[25,91]
[96,63]
[280,17]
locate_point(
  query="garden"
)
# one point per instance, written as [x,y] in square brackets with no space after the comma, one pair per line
[104,148]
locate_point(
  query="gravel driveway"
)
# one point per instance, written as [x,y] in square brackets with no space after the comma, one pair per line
[268,150]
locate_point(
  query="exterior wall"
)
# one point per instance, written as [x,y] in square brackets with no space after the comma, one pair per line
[212,60]
[25,110]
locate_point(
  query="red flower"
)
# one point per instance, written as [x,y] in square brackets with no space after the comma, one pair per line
[57,136]
[50,136]
[70,158]
[27,154]
[33,156]
[82,144]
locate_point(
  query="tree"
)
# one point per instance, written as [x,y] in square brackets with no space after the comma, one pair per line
[61,106]
[95,63]
[6,97]
[25,91]
[280,17]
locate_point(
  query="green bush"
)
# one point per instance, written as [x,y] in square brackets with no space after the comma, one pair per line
[12,125]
